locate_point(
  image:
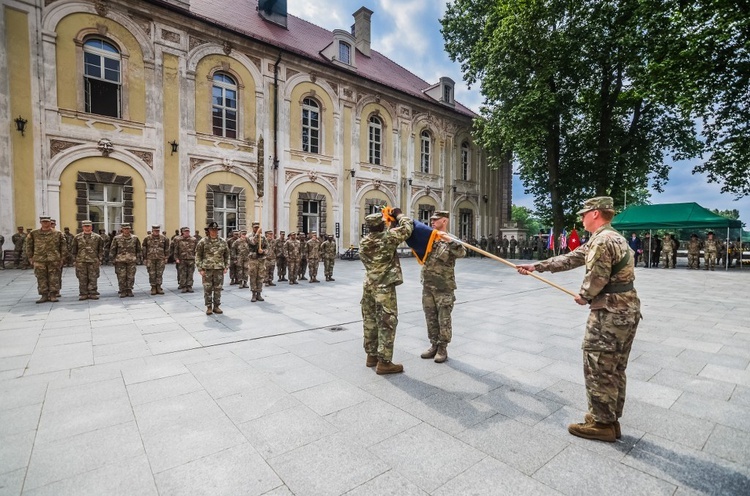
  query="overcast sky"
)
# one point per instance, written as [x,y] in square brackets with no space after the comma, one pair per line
[408,32]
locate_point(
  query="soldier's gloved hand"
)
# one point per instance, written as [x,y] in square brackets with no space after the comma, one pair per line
[396,213]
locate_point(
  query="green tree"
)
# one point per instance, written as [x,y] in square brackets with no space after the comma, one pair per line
[729,214]
[526,218]
[567,90]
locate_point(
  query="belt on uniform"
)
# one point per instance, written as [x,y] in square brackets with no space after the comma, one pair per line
[617,288]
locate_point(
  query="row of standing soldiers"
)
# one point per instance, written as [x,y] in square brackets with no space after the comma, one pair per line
[522,248]
[651,251]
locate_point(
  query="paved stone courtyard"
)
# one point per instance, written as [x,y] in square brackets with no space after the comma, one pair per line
[148,395]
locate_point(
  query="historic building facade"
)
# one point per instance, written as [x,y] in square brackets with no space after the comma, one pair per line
[177,112]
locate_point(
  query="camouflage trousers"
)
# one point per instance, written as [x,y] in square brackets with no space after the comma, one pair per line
[293,267]
[155,267]
[88,278]
[710,260]
[232,270]
[512,253]
[256,271]
[125,275]
[48,276]
[302,268]
[328,266]
[380,318]
[18,258]
[213,282]
[185,271]
[606,348]
[666,257]
[281,264]
[312,267]
[437,306]
[270,266]
[241,271]
[694,260]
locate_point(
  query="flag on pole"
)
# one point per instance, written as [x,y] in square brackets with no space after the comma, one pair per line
[551,240]
[563,240]
[573,240]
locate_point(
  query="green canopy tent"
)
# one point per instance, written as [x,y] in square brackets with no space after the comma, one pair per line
[672,216]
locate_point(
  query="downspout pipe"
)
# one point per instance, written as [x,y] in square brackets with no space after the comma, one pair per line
[276,144]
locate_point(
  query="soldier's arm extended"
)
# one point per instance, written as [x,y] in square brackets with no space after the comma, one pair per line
[403,231]
[567,261]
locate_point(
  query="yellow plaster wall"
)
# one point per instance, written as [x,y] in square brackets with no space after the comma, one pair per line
[19,57]
[222,177]
[309,187]
[386,151]
[346,236]
[245,94]
[300,92]
[171,92]
[68,194]
[68,78]
[370,195]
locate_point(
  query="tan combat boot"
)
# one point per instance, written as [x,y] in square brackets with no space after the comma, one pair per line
[255,297]
[431,352]
[442,353]
[83,297]
[388,368]
[595,431]
[43,299]
[209,310]
[259,297]
[372,360]
[589,419]
[159,290]
[153,290]
[217,309]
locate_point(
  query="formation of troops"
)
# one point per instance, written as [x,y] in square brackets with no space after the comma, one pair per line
[250,258]
[523,248]
[651,251]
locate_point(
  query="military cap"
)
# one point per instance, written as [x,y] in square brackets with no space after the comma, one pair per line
[374,220]
[183,229]
[441,214]
[53,221]
[597,203]
[693,235]
[256,224]
[243,232]
[86,223]
[156,227]
[45,218]
[314,232]
[212,225]
[282,232]
[125,225]
[710,232]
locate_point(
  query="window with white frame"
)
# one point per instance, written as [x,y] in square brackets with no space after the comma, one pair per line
[465,162]
[447,94]
[345,50]
[226,212]
[310,126]
[224,105]
[102,78]
[105,206]
[425,152]
[425,212]
[465,224]
[310,216]
[375,140]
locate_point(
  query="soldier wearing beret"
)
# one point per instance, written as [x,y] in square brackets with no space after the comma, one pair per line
[615,312]
[88,252]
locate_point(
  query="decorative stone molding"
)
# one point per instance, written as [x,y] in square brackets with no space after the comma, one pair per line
[105,146]
[227,48]
[376,183]
[313,175]
[194,42]
[197,162]
[57,146]
[289,72]
[146,157]
[101,7]
[170,36]
[334,86]
[144,23]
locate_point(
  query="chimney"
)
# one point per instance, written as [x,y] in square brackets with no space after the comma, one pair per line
[361,30]
[273,11]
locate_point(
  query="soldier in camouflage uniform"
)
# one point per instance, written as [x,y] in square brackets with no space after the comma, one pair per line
[291,257]
[46,249]
[257,261]
[328,251]
[278,248]
[240,253]
[88,252]
[18,239]
[313,256]
[505,244]
[2,253]
[212,260]
[377,251]
[69,240]
[155,254]
[513,246]
[711,251]
[124,252]
[184,258]
[615,312]
[693,252]
[25,264]
[492,243]
[667,247]
[270,259]
[302,238]
[438,286]
[105,241]
[232,262]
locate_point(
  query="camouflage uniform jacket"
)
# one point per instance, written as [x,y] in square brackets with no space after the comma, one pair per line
[88,248]
[155,247]
[278,245]
[694,246]
[69,239]
[211,254]
[271,250]
[328,250]
[291,249]
[605,248]
[513,243]
[438,270]
[313,249]
[253,243]
[46,246]
[184,248]
[378,254]
[712,246]
[17,240]
[239,250]
[125,249]
[302,249]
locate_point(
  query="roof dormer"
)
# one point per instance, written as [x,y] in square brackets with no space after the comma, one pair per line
[342,51]
[443,91]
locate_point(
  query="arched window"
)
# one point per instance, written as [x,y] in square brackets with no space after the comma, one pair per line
[224,105]
[465,161]
[345,50]
[102,78]
[425,152]
[310,126]
[375,140]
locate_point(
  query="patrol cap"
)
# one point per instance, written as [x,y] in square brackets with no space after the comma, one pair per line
[183,229]
[269,232]
[125,225]
[212,225]
[45,218]
[710,232]
[86,223]
[441,214]
[156,227]
[597,203]
[374,220]
[243,232]
[256,224]
[53,221]
[693,235]
[282,232]
[314,232]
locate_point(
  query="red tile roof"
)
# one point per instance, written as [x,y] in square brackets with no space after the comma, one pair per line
[307,39]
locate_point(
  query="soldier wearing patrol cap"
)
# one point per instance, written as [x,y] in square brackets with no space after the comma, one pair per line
[270,259]
[313,256]
[239,253]
[46,249]
[155,255]
[256,264]
[88,252]
[212,260]
[184,259]
[233,261]
[615,312]
[280,258]
[124,252]
[291,257]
